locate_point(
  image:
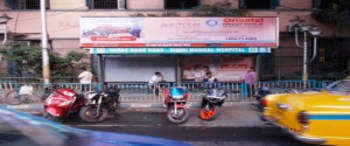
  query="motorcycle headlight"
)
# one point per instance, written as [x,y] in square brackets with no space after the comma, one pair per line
[178,97]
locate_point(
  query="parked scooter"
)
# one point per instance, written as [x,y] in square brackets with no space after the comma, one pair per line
[211,104]
[175,101]
[93,107]
[62,102]
[100,104]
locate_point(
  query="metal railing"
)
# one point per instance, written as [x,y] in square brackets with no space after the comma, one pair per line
[140,92]
[34,79]
[287,84]
[144,92]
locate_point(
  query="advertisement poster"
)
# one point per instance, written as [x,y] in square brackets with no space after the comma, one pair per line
[178,32]
[225,69]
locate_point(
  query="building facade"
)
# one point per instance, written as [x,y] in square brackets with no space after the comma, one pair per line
[63,19]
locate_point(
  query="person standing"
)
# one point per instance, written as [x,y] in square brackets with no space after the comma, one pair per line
[154,82]
[85,77]
[210,80]
[250,78]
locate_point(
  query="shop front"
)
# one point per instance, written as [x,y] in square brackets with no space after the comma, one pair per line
[180,66]
[132,49]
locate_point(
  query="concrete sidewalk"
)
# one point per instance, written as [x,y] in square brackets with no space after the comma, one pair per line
[124,105]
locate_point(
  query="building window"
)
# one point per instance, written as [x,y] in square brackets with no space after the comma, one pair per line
[181,4]
[25,4]
[258,4]
[106,4]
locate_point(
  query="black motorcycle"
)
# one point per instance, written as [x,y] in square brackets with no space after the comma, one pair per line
[211,104]
[100,104]
[259,96]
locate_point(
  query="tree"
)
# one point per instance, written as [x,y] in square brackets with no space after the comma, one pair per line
[337,12]
[28,59]
[336,15]
[219,9]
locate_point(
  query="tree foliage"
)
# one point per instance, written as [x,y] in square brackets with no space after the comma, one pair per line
[337,12]
[223,8]
[29,60]
[337,15]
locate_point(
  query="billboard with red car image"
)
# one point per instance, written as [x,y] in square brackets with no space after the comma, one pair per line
[178,32]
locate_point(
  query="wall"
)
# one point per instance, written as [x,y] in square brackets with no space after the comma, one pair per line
[68,4]
[2,4]
[145,4]
[66,24]
[288,58]
[298,4]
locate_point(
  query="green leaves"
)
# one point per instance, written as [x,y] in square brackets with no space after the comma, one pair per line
[336,13]
[29,60]
[75,56]
[218,9]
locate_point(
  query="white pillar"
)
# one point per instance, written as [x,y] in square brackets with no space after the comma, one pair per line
[44,43]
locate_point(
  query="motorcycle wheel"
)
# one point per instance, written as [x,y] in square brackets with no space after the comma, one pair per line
[211,114]
[88,114]
[184,115]
[50,117]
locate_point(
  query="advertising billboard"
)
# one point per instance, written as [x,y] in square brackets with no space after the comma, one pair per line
[178,32]
[225,69]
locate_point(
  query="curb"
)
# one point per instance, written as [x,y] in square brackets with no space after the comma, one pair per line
[126,105]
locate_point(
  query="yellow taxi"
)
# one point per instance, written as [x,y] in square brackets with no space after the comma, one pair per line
[321,118]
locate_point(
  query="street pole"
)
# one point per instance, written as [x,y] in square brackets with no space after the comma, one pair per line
[305,77]
[44,44]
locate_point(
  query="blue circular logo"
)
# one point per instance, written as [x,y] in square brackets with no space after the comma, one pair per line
[212,23]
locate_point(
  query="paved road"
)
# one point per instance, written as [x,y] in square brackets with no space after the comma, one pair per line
[235,126]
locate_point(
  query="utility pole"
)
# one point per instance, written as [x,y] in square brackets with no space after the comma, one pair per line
[44,43]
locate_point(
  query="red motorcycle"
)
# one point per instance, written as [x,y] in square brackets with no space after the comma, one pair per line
[61,103]
[175,101]
[93,107]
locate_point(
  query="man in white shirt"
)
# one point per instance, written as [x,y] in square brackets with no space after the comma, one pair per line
[85,78]
[154,82]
